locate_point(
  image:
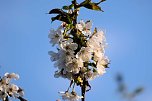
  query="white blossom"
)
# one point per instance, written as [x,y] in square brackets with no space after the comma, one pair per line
[60,64]
[101,65]
[80,62]
[68,45]
[84,27]
[85,53]
[97,41]
[4,81]
[65,95]
[101,69]
[73,66]
[8,89]
[54,56]
[21,92]
[3,95]
[64,58]
[12,75]
[90,75]
[55,36]
[98,54]
[70,96]
[12,90]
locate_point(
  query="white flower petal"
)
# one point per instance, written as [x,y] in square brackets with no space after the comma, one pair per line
[54,56]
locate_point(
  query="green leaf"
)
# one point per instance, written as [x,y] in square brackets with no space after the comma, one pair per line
[66,7]
[57,11]
[84,3]
[93,6]
[63,18]
[94,70]
[70,7]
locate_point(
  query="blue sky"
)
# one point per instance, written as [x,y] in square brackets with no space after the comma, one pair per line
[24,47]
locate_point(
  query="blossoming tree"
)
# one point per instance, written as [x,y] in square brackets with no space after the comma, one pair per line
[80,54]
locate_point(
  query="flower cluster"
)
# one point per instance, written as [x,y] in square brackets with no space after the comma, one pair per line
[70,96]
[8,89]
[80,53]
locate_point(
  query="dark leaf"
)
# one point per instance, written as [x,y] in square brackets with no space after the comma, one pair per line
[63,18]
[94,70]
[66,7]
[93,6]
[57,11]
[85,3]
[70,7]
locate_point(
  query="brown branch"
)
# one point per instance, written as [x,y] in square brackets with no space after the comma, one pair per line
[83,89]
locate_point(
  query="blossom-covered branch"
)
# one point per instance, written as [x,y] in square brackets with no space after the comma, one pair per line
[9,90]
[80,54]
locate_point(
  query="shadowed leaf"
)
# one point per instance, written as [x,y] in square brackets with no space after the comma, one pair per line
[57,11]
[93,6]
[66,7]
[62,18]
[85,2]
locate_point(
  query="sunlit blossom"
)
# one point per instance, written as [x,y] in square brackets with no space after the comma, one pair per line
[84,27]
[70,96]
[55,36]
[8,89]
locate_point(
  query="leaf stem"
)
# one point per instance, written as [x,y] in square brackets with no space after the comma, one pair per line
[73,87]
[70,85]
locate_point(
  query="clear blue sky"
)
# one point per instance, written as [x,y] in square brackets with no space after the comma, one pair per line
[24,47]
